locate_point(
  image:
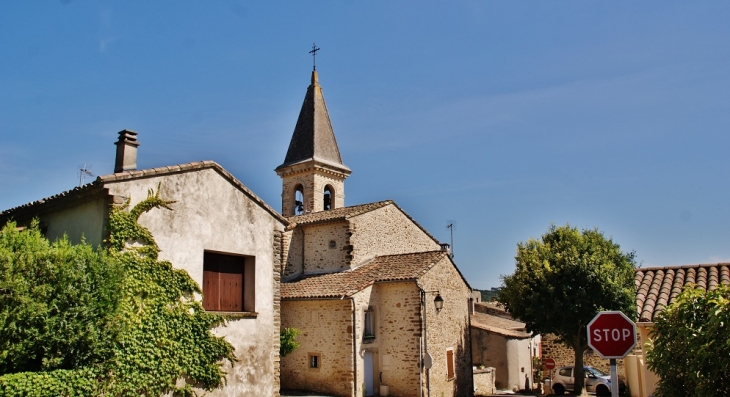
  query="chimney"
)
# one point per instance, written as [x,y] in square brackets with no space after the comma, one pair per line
[446,247]
[126,151]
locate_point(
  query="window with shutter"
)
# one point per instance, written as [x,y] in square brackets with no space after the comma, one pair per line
[228,282]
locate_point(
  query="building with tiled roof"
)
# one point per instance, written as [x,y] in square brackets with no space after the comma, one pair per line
[361,283]
[658,287]
[501,342]
[385,268]
[380,304]
[226,237]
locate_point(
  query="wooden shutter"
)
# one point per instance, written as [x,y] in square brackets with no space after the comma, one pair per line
[449,364]
[211,292]
[231,285]
[223,282]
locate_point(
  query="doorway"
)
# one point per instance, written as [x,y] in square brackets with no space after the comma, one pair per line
[368,368]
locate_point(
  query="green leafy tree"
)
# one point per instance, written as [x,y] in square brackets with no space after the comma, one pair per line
[691,345]
[57,302]
[563,280]
[141,331]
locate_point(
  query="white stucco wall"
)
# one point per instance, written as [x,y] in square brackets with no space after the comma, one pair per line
[212,214]
[85,220]
[519,361]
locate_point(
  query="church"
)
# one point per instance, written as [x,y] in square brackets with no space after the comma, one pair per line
[370,290]
[380,306]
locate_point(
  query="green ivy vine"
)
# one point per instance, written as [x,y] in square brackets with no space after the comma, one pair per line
[163,341]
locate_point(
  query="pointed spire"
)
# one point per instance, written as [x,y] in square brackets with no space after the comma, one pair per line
[313,138]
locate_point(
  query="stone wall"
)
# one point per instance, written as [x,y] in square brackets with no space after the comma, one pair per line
[564,355]
[397,323]
[386,231]
[278,248]
[313,184]
[448,329]
[293,254]
[320,256]
[490,350]
[484,381]
[326,330]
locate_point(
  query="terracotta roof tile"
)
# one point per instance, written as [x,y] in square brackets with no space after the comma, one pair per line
[345,213]
[337,213]
[381,268]
[499,325]
[659,287]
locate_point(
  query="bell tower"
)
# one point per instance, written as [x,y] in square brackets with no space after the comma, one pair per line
[313,175]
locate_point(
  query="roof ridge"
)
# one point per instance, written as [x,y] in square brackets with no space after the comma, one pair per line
[157,171]
[675,267]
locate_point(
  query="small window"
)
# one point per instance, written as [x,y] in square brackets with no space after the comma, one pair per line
[314,360]
[333,244]
[450,364]
[566,372]
[228,282]
[369,328]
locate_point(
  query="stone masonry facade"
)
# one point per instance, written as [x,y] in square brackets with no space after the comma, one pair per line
[386,231]
[448,330]
[313,184]
[395,308]
[326,331]
[564,355]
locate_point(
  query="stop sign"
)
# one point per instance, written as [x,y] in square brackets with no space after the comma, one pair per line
[611,334]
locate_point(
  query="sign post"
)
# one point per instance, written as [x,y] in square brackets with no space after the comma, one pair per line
[612,335]
[549,365]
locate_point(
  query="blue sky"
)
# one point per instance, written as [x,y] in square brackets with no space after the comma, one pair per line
[500,117]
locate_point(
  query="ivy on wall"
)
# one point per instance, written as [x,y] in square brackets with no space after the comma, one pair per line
[163,341]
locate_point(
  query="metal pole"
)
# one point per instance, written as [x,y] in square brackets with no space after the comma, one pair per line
[425,341]
[614,379]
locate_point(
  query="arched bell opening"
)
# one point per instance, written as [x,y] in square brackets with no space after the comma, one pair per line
[329,198]
[299,200]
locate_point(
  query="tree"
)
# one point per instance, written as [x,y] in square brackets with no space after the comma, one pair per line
[563,280]
[691,345]
[56,302]
[141,332]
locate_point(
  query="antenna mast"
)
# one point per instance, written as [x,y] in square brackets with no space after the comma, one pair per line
[450,226]
[84,171]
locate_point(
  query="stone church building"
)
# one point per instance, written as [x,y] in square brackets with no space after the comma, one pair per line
[362,283]
[380,304]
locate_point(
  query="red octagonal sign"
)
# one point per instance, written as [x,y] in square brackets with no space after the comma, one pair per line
[612,334]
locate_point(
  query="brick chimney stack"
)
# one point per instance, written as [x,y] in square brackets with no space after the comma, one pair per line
[126,151]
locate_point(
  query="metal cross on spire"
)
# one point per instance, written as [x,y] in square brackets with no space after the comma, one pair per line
[314,55]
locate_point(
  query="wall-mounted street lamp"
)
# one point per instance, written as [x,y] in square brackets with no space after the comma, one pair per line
[438,301]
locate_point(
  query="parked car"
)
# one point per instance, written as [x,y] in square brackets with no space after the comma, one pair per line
[597,381]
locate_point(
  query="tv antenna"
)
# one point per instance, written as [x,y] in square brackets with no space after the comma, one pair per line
[84,171]
[450,226]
